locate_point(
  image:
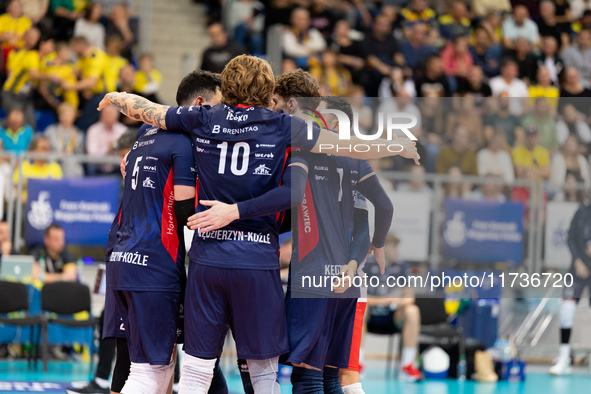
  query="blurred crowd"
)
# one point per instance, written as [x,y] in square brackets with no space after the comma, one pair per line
[500,88]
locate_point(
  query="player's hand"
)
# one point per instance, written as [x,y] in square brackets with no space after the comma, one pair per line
[410,150]
[581,269]
[219,215]
[122,163]
[105,102]
[380,256]
[346,278]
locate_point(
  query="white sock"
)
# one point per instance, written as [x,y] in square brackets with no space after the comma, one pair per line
[263,375]
[564,354]
[102,383]
[354,388]
[196,375]
[409,354]
[148,379]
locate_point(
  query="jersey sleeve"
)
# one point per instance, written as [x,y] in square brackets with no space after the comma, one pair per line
[364,170]
[142,130]
[186,119]
[299,132]
[183,163]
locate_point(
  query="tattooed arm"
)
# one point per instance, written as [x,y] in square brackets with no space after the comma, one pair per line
[136,107]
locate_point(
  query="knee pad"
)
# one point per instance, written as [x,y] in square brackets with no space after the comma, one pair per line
[196,375]
[567,313]
[144,378]
[263,375]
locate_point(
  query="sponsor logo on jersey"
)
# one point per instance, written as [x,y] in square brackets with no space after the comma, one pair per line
[148,183]
[130,258]
[151,131]
[150,168]
[248,129]
[266,145]
[262,170]
[237,235]
[264,156]
[321,168]
[236,118]
[151,158]
[201,140]
[320,178]
[139,144]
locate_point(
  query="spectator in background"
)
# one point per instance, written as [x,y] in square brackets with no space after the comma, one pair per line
[38,168]
[573,92]
[323,18]
[490,190]
[102,135]
[349,52]
[65,14]
[501,119]
[541,119]
[570,191]
[221,51]
[60,265]
[543,88]
[13,25]
[572,123]
[247,21]
[456,23]
[495,160]
[433,80]
[482,8]
[333,77]
[89,26]
[300,41]
[433,116]
[531,155]
[578,7]
[418,12]
[579,55]
[563,14]
[6,185]
[93,64]
[416,48]
[458,154]
[23,72]
[568,160]
[527,62]
[381,53]
[485,52]
[456,188]
[36,11]
[417,183]
[549,58]
[456,58]
[467,116]
[519,26]
[583,23]
[120,23]
[16,135]
[58,72]
[147,78]
[548,25]
[126,83]
[508,83]
[115,62]
[65,139]
[5,239]
[474,85]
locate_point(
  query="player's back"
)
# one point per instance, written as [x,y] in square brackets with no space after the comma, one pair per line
[147,253]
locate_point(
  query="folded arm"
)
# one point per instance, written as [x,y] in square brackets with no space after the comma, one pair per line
[136,107]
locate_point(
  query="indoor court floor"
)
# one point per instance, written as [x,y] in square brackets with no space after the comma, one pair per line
[15,378]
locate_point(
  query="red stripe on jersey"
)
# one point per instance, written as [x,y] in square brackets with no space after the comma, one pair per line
[197,192]
[357,333]
[120,212]
[244,106]
[168,232]
[307,224]
[281,215]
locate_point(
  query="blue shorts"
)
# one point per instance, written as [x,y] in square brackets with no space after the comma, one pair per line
[250,302]
[321,330]
[579,285]
[113,326]
[152,321]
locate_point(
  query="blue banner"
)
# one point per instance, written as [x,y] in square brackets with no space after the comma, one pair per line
[84,207]
[483,231]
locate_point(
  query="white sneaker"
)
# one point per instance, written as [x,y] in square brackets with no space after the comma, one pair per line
[561,367]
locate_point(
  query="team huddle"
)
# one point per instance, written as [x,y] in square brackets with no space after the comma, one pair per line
[231,162]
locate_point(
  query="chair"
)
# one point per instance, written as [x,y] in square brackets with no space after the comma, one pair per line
[65,298]
[381,322]
[14,297]
[435,328]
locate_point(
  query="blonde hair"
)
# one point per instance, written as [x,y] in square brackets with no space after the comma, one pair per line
[247,80]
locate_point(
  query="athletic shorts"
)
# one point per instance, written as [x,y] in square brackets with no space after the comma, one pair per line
[153,323]
[324,331]
[249,302]
[113,326]
[576,290]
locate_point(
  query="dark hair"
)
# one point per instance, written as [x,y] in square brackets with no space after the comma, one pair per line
[195,84]
[89,9]
[126,140]
[52,226]
[340,104]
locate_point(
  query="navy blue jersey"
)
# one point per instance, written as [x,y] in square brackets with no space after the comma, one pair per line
[146,251]
[241,153]
[325,217]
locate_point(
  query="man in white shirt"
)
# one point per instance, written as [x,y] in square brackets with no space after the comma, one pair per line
[495,160]
[102,135]
[509,84]
[520,26]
